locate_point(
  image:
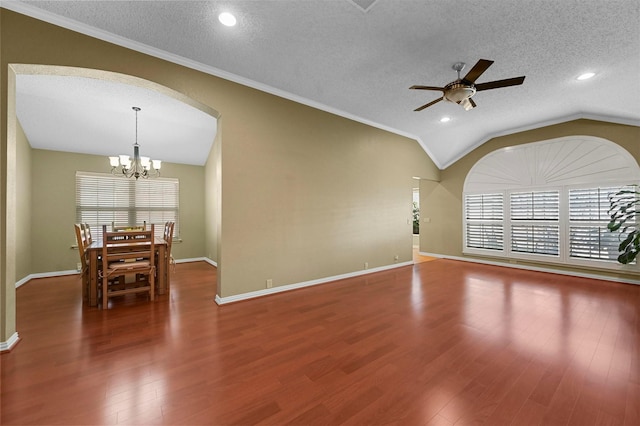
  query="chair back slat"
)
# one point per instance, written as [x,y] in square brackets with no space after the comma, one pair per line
[128,253]
[82,242]
[81,239]
[168,235]
[87,233]
[128,237]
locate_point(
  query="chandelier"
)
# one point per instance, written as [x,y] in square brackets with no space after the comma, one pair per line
[137,166]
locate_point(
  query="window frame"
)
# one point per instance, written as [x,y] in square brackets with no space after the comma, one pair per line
[603,263]
[483,221]
[535,221]
[564,226]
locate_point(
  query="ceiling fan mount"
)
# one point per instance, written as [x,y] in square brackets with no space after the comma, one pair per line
[457,91]
[462,90]
[458,66]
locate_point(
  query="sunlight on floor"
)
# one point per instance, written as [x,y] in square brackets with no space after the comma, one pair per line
[418,258]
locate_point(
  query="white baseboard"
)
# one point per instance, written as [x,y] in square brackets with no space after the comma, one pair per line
[73,271]
[289,287]
[192,259]
[45,275]
[210,261]
[594,276]
[6,346]
[198,259]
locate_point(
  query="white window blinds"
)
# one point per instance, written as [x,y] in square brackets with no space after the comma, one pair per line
[483,216]
[104,199]
[535,205]
[538,239]
[534,222]
[590,204]
[484,207]
[589,237]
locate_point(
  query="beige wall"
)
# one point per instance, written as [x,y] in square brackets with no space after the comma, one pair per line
[442,201]
[212,198]
[304,194]
[23,204]
[54,198]
[313,197]
[8,208]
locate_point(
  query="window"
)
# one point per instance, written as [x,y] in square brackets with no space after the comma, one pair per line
[588,219]
[484,215]
[535,222]
[556,202]
[103,199]
[533,219]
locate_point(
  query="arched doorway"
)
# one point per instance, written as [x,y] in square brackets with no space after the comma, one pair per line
[15,218]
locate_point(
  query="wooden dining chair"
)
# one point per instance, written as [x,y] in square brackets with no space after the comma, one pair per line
[125,255]
[168,237]
[87,233]
[84,261]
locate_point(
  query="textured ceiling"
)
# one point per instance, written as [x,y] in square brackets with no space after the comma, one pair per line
[358,58]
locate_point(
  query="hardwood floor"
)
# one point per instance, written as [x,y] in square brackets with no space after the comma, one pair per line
[418,258]
[440,342]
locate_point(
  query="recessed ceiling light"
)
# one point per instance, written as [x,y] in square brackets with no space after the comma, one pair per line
[586,76]
[445,119]
[227,19]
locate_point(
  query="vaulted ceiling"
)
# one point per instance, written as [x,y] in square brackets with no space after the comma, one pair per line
[358,58]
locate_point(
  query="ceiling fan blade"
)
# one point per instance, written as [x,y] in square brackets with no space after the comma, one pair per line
[428,105]
[481,66]
[427,88]
[467,104]
[500,83]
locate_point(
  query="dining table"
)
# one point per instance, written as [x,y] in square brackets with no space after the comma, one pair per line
[94,254]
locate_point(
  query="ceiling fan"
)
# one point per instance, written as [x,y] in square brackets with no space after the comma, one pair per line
[462,90]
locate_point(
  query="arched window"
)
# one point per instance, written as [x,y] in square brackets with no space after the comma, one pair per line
[547,201]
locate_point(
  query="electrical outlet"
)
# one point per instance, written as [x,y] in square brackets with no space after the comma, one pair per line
[79,266]
[366,265]
[396,257]
[269,283]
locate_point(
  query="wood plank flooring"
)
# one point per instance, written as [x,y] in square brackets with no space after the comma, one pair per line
[418,258]
[438,343]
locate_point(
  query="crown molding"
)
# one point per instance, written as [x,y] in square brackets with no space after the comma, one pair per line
[109,37]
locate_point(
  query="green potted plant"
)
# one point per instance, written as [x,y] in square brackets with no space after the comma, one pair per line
[623,211]
[416,218]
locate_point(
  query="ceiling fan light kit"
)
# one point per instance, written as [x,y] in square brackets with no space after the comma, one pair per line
[458,92]
[462,90]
